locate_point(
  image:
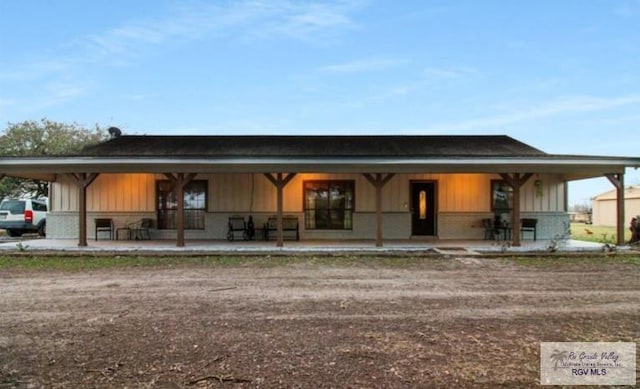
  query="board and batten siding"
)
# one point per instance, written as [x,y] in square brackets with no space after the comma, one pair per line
[108,193]
[246,193]
[463,200]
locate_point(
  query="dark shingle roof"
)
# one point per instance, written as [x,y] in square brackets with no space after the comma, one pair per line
[427,146]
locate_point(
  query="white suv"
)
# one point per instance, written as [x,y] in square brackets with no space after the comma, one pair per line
[23,215]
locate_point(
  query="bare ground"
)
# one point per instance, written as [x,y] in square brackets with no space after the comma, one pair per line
[439,323]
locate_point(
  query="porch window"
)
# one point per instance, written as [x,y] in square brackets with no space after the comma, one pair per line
[329,205]
[195,205]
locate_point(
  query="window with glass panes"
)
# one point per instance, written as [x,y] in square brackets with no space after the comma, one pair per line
[329,204]
[195,205]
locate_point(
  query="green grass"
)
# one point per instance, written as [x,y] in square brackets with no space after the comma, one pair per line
[35,262]
[85,263]
[577,259]
[600,234]
[75,263]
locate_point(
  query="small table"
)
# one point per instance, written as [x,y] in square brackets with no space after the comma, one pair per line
[126,230]
[505,231]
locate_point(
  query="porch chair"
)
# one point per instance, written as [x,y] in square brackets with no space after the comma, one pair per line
[104,225]
[140,229]
[489,229]
[290,223]
[529,225]
[237,228]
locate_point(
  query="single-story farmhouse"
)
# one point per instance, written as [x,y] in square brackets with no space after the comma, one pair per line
[334,187]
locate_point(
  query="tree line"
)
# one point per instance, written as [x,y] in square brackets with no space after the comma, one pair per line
[32,138]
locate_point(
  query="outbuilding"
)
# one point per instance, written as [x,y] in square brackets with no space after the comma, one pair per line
[604,206]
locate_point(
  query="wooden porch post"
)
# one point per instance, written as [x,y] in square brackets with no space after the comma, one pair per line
[516,181]
[279,182]
[179,181]
[82,182]
[379,181]
[618,181]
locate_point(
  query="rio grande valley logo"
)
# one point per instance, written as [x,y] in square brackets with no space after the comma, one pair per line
[585,363]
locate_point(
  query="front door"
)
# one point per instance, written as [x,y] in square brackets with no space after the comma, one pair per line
[423,208]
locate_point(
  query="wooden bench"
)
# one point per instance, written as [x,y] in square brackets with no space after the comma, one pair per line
[290,229]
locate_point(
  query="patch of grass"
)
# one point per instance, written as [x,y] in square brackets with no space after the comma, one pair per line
[599,234]
[588,259]
[83,263]
[75,263]
[87,263]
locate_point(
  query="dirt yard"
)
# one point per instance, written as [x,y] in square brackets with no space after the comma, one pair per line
[436,323]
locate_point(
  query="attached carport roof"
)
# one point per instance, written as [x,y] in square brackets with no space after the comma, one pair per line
[319,154]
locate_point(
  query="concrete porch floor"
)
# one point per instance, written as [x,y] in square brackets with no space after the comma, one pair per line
[464,247]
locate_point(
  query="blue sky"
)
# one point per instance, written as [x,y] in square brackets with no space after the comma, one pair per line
[560,75]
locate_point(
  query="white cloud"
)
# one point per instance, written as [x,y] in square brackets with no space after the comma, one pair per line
[57,92]
[36,69]
[447,73]
[430,77]
[363,65]
[558,107]
[303,20]
[243,20]
[136,96]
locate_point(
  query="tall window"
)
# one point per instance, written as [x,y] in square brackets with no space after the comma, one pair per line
[329,205]
[195,205]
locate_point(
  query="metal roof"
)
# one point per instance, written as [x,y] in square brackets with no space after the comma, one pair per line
[311,146]
[316,154]
[630,192]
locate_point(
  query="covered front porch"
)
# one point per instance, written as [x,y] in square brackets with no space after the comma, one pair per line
[455,207]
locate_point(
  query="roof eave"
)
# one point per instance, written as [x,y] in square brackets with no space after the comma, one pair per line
[570,168]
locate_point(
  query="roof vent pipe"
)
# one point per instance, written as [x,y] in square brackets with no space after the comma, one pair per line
[114,132]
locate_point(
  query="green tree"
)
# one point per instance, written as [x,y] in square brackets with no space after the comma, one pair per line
[41,138]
